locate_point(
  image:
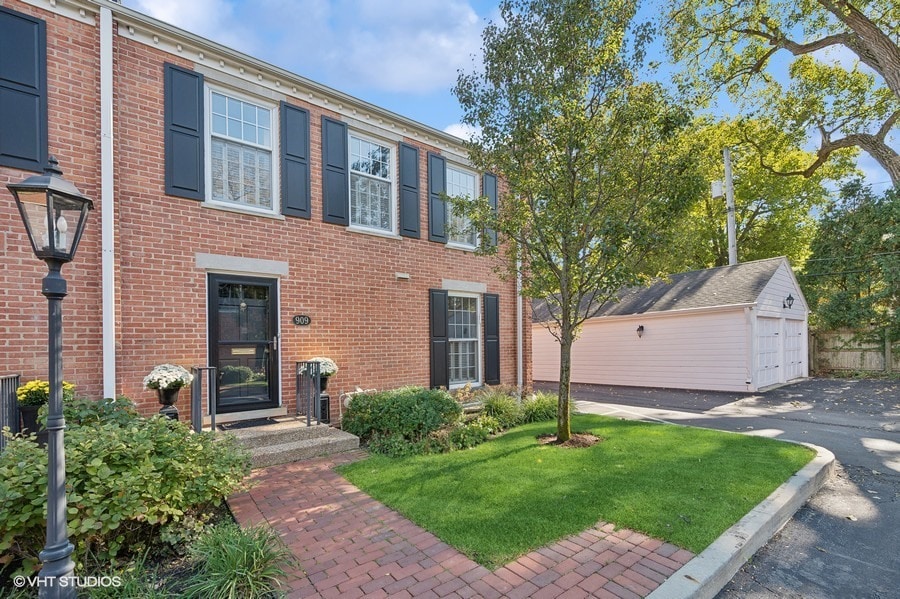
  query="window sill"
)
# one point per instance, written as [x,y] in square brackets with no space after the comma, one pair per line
[373,232]
[471,384]
[238,210]
[462,247]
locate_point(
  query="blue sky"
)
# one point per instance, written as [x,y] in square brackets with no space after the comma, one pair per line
[402,55]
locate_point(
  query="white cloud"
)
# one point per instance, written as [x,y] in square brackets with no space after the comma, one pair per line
[408,46]
[463,131]
[213,19]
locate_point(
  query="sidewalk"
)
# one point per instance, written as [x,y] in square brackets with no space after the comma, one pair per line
[349,545]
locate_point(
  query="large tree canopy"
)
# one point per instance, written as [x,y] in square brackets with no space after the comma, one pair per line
[852,278]
[774,215]
[843,68]
[595,165]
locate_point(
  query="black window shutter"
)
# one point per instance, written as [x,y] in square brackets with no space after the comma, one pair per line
[440,345]
[489,188]
[295,161]
[491,339]
[437,207]
[23,91]
[185,172]
[409,191]
[335,172]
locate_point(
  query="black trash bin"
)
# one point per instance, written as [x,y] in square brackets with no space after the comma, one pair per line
[324,408]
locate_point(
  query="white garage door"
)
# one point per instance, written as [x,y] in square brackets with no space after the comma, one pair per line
[769,341]
[793,349]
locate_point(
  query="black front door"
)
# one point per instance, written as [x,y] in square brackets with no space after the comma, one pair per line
[243,344]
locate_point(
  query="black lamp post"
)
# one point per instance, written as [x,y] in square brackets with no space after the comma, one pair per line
[54,212]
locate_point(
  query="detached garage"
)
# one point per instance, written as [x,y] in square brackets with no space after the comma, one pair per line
[731,328]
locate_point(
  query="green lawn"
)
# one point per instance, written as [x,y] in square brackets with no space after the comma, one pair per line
[512,495]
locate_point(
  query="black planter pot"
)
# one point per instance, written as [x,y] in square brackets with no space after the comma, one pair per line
[29,416]
[323,383]
[30,424]
[168,397]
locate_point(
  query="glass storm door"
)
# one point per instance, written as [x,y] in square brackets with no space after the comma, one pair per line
[243,328]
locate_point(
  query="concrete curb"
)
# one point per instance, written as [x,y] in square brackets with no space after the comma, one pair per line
[706,574]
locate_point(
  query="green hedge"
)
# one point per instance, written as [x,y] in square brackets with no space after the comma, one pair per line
[407,414]
[131,482]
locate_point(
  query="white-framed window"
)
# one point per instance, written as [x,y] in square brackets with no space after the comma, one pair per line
[372,204]
[464,337]
[241,168]
[460,183]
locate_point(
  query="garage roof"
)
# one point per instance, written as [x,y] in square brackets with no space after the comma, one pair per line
[707,288]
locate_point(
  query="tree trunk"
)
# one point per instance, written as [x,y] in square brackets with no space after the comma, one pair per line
[563,427]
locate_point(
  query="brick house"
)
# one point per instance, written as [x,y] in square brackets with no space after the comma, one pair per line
[230,196]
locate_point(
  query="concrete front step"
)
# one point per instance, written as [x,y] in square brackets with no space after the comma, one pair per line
[283,431]
[289,440]
[294,451]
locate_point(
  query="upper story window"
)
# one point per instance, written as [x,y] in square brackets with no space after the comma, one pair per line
[460,183]
[241,168]
[371,184]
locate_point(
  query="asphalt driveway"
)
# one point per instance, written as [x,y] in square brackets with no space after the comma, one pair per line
[846,541]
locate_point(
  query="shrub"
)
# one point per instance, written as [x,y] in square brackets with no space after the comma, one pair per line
[131,481]
[236,563]
[236,374]
[503,407]
[540,407]
[475,432]
[395,445]
[410,413]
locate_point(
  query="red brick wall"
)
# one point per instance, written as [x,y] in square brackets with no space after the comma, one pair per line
[374,325]
[74,138]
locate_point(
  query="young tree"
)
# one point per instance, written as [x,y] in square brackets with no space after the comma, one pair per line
[594,164]
[843,67]
[852,278]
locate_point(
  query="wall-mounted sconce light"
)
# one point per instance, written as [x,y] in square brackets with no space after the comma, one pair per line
[640,331]
[788,302]
[402,276]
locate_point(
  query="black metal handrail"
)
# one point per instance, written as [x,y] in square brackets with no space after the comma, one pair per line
[197,397]
[309,389]
[9,406]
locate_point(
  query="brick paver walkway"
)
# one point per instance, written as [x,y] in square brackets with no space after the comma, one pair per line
[349,545]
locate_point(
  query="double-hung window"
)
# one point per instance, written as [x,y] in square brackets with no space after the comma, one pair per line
[463,329]
[371,184]
[460,183]
[241,167]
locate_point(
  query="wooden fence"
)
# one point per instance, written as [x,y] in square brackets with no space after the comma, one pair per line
[844,350]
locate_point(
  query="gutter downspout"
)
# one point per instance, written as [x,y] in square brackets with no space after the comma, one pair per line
[520,382]
[107,215]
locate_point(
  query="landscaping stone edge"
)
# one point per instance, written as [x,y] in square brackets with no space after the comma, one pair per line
[707,573]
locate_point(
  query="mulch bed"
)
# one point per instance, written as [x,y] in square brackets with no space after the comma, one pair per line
[576,440]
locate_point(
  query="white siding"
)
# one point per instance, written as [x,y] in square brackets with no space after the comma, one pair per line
[544,354]
[781,285]
[684,351]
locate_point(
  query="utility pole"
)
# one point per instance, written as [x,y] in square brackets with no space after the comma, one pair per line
[728,192]
[729,202]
